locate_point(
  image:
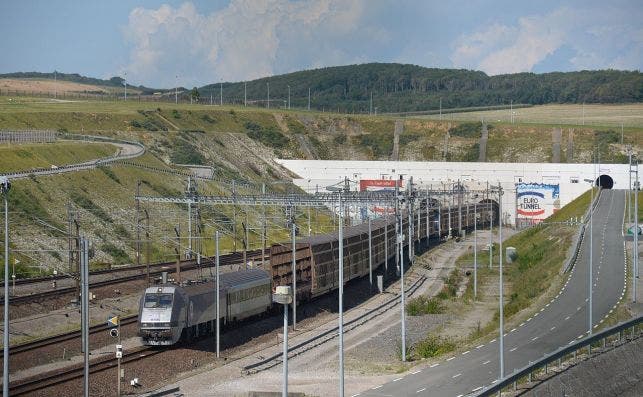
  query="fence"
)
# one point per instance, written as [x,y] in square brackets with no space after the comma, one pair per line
[563,354]
[27,136]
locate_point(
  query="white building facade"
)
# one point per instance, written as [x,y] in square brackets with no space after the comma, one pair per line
[532,190]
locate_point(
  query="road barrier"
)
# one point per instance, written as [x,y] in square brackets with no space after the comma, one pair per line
[564,353]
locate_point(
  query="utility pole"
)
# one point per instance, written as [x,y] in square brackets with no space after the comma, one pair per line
[502,319]
[288,97]
[635,254]
[176,89]
[5,185]
[216,248]
[294,274]
[440,108]
[221,93]
[370,254]
[268,88]
[490,235]
[341,297]
[189,194]
[263,229]
[245,93]
[370,111]
[138,224]
[148,246]
[177,230]
[84,275]
[309,98]
[234,218]
[475,249]
[402,291]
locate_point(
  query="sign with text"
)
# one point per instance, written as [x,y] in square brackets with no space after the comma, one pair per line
[536,201]
[372,185]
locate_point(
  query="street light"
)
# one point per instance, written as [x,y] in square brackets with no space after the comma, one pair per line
[591,250]
[283,297]
[5,185]
[502,319]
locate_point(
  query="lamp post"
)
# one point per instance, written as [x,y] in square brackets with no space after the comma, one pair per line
[591,251]
[283,297]
[475,249]
[5,185]
[500,282]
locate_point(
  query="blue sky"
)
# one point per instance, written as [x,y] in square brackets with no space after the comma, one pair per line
[187,43]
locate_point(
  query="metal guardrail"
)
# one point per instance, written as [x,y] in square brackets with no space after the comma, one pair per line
[561,353]
[579,237]
[81,166]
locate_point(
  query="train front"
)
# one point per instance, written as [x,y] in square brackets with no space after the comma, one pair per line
[159,313]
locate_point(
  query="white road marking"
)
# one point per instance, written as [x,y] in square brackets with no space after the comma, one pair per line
[522,325]
[416,372]
[512,330]
[534,338]
[552,328]
[456,375]
[395,380]
[486,362]
[355,395]
[434,365]
[467,352]
[536,315]
[449,359]
[478,347]
[493,340]
[529,319]
[421,390]
[476,389]
[547,305]
[514,349]
[494,381]
[566,318]
[376,387]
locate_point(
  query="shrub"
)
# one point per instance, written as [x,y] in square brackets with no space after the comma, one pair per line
[120,257]
[268,136]
[423,305]
[110,174]
[434,346]
[86,203]
[185,153]
[467,130]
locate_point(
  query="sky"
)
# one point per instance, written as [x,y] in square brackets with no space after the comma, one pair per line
[165,44]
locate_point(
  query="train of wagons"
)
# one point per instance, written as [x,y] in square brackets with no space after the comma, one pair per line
[170,312]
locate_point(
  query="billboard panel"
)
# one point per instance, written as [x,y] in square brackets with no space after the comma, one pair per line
[378,185]
[536,201]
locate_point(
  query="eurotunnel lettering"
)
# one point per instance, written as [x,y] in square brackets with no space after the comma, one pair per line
[530,203]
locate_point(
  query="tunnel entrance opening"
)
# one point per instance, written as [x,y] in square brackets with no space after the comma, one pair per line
[605,182]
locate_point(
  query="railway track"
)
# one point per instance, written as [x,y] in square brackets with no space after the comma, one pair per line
[330,334]
[155,270]
[56,377]
[56,339]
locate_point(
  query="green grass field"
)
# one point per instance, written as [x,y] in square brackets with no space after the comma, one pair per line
[629,115]
[23,157]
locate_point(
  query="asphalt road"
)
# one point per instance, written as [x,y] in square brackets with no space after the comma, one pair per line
[561,321]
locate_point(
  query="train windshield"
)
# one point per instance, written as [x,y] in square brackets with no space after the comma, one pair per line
[158,301]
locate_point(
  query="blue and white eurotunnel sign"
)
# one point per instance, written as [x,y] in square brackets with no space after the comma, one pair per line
[536,201]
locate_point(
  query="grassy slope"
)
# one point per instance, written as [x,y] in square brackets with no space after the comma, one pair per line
[330,136]
[541,254]
[22,157]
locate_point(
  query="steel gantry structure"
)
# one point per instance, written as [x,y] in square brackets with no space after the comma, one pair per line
[340,196]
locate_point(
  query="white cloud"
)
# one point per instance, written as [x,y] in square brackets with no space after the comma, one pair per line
[503,49]
[244,40]
[603,37]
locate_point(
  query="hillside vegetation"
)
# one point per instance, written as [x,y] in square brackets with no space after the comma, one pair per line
[186,133]
[405,88]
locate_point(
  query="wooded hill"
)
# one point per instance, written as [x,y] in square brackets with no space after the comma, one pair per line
[77,78]
[404,88]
